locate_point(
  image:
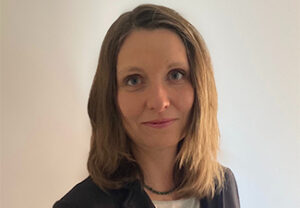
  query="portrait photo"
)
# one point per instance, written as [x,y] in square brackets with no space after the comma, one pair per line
[150,104]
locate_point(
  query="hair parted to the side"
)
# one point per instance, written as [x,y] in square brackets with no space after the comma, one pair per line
[111,163]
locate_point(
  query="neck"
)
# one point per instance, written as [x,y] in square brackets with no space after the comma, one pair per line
[157,166]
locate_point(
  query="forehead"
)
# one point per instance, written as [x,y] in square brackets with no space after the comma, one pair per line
[153,48]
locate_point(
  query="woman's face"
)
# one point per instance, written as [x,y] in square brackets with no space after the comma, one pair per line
[155,95]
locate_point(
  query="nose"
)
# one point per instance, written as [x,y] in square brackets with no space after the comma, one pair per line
[157,98]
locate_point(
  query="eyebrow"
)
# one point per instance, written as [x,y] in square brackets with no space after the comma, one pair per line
[131,69]
[138,69]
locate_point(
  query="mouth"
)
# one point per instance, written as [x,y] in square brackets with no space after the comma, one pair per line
[159,123]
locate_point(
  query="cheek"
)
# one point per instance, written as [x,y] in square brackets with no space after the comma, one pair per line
[129,106]
[185,99]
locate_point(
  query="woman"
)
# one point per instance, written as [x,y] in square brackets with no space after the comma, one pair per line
[153,111]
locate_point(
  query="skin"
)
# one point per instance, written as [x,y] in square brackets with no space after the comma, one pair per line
[153,83]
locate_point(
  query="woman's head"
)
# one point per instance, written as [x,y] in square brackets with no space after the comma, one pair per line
[114,119]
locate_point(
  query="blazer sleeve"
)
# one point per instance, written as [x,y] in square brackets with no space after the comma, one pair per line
[63,204]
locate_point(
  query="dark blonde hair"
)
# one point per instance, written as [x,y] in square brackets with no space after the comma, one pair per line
[111,163]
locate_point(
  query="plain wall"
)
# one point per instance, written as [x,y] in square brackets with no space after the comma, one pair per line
[49,54]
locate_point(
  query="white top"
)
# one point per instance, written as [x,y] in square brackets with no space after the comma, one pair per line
[181,203]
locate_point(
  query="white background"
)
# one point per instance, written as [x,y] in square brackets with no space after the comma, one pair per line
[49,54]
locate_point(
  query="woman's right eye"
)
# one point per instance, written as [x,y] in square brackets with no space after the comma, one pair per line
[133,80]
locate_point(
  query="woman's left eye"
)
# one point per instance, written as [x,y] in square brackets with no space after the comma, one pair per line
[176,75]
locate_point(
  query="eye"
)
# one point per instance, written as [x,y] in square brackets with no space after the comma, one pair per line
[176,74]
[133,80]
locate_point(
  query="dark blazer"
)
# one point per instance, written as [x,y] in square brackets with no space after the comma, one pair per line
[88,195]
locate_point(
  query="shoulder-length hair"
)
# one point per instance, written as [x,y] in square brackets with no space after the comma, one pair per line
[111,163]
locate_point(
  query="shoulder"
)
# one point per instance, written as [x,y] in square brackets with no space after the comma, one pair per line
[228,196]
[85,194]
[230,190]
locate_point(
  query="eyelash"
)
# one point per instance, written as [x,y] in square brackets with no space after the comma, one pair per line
[127,79]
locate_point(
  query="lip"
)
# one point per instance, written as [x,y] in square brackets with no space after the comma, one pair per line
[161,123]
